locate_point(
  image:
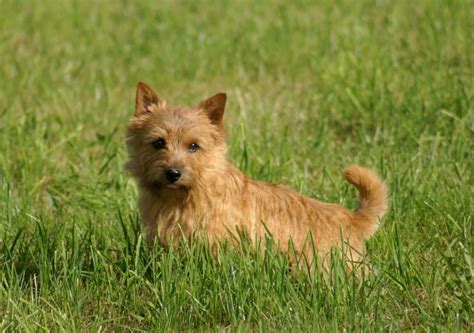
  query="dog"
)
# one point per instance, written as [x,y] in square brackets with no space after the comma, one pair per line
[188,187]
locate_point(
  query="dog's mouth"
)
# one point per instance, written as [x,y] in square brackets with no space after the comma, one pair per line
[172,186]
[175,186]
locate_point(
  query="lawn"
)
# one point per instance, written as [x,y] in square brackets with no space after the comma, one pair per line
[311,88]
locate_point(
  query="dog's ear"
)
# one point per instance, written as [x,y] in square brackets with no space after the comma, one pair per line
[214,107]
[147,100]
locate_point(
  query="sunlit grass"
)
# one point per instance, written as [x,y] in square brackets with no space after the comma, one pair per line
[311,88]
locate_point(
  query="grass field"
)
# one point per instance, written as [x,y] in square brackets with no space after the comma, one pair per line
[311,88]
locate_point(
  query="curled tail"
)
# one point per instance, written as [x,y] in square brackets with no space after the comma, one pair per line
[373,201]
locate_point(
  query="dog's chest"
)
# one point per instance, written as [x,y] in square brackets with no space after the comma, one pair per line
[210,219]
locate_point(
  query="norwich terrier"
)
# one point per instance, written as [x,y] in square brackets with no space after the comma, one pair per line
[188,187]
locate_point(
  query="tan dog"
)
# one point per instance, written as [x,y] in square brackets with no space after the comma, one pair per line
[188,187]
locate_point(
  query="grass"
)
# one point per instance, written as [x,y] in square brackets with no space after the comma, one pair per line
[312,88]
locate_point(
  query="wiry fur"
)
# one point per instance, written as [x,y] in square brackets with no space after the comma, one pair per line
[215,199]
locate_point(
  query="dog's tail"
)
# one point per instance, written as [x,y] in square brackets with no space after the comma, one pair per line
[373,202]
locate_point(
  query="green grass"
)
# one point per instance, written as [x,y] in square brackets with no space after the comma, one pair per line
[312,88]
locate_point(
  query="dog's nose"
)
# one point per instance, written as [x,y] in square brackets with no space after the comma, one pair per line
[172,174]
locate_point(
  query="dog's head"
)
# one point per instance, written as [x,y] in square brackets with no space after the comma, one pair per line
[172,149]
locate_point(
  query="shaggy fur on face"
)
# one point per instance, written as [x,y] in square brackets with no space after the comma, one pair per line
[188,187]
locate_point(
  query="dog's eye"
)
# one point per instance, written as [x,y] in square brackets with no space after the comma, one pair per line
[193,147]
[159,144]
